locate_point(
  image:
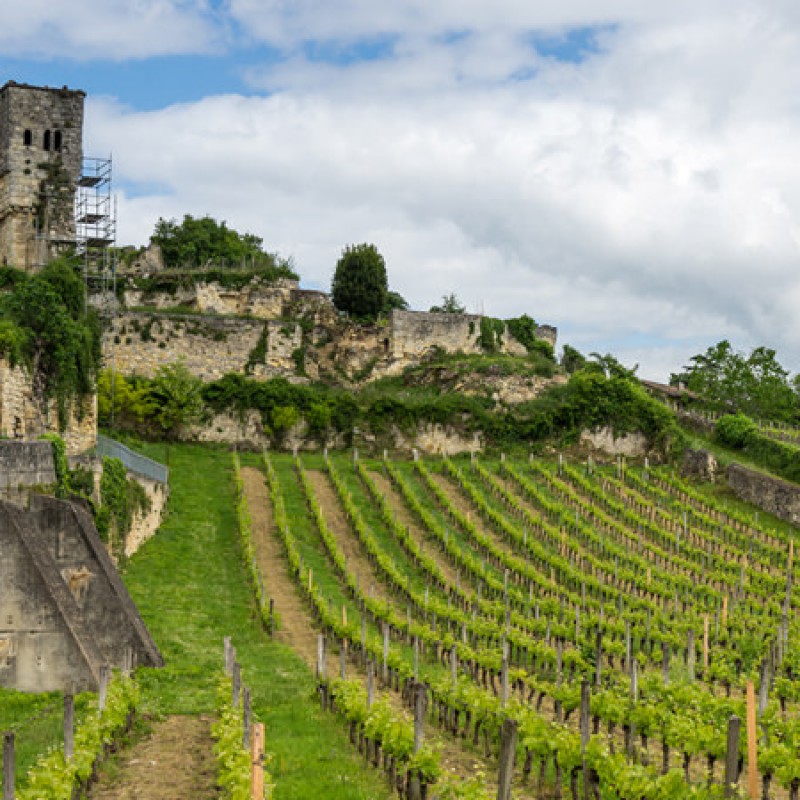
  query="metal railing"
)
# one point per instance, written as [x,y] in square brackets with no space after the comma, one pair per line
[134,462]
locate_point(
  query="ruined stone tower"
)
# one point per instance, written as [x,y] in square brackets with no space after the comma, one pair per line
[40,164]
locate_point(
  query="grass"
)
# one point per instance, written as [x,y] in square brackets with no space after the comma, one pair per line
[191,588]
[37,720]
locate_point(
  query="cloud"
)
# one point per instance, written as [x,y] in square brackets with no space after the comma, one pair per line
[644,198]
[108,29]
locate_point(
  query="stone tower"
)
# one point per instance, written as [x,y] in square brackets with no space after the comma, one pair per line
[40,165]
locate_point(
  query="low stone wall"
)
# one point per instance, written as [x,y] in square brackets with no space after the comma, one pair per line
[146,523]
[773,495]
[24,465]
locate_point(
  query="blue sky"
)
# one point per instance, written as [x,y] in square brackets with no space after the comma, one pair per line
[626,171]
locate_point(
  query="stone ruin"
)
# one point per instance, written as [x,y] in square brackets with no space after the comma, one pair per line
[41,156]
[64,610]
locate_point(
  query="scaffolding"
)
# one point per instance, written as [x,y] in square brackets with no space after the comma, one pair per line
[96,221]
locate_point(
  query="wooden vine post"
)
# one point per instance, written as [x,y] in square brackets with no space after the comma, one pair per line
[69,727]
[752,743]
[732,757]
[257,762]
[585,733]
[420,706]
[508,751]
[9,765]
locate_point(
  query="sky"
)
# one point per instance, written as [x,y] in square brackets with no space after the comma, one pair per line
[625,170]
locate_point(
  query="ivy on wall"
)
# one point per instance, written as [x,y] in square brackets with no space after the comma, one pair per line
[45,326]
[120,498]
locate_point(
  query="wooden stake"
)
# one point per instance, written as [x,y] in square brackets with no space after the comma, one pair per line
[237,684]
[420,706]
[9,765]
[105,675]
[69,727]
[732,757]
[504,681]
[257,762]
[752,743]
[321,659]
[705,647]
[725,611]
[385,652]
[508,751]
[246,718]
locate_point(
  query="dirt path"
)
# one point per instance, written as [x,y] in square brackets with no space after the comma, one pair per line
[294,629]
[463,504]
[407,519]
[174,761]
[357,562]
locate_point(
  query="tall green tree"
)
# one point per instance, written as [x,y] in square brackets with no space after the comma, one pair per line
[360,286]
[756,385]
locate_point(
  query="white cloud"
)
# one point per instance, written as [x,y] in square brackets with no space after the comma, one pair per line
[646,201]
[108,29]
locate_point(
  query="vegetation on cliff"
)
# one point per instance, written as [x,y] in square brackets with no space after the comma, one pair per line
[589,399]
[204,242]
[46,327]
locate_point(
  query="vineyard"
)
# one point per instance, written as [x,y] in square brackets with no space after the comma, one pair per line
[617,617]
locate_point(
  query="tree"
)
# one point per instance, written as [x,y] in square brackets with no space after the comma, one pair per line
[756,385]
[176,397]
[360,287]
[450,305]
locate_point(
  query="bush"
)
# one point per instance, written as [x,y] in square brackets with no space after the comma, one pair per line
[204,241]
[736,430]
[741,433]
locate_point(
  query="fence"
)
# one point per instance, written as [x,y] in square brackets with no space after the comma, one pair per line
[134,462]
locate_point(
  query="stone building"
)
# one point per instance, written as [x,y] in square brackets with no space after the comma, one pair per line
[40,165]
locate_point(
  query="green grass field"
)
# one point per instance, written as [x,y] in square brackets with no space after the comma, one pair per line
[191,588]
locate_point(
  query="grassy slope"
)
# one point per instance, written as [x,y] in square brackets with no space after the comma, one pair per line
[191,589]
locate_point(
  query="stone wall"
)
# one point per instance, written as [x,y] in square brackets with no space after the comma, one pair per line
[256,299]
[24,415]
[38,126]
[23,466]
[146,523]
[773,495]
[140,343]
[415,334]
